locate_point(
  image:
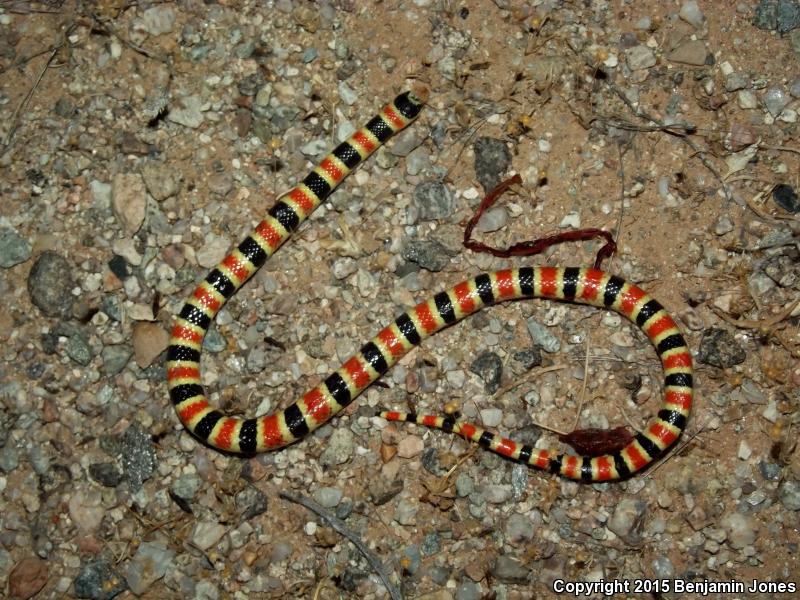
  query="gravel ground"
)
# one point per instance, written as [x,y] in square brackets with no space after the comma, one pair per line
[140,140]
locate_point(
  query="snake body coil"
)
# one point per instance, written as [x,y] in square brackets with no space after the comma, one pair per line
[340,388]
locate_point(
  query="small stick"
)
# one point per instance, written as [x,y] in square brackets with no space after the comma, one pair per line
[676,450]
[582,396]
[782,149]
[765,325]
[680,130]
[342,529]
[24,103]
[527,377]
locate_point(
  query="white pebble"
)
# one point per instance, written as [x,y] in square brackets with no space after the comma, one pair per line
[747,99]
[491,417]
[573,220]
[470,193]
[744,450]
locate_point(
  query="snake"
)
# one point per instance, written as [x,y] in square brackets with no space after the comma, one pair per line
[591,286]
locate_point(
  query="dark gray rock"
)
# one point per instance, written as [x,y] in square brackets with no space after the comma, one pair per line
[381,490]
[106,474]
[777,15]
[14,249]
[138,456]
[720,349]
[509,570]
[50,284]
[529,357]
[99,581]
[251,502]
[428,254]
[786,197]
[492,159]
[489,367]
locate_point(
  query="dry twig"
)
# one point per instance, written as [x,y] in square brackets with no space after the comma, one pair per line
[24,103]
[339,526]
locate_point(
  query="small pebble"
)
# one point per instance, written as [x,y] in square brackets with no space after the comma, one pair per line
[428,254]
[510,570]
[340,447]
[692,52]
[213,251]
[529,358]
[150,339]
[542,337]
[628,520]
[745,451]
[489,367]
[741,529]
[777,15]
[50,285]
[129,200]
[138,456]
[106,473]
[251,502]
[775,100]
[492,220]
[464,485]
[406,512]
[14,249]
[571,220]
[186,486]
[160,180]
[640,57]
[150,563]
[789,494]
[491,417]
[347,94]
[410,446]
[747,99]
[158,20]
[492,159]
[519,529]
[691,13]
[723,225]
[187,111]
[27,578]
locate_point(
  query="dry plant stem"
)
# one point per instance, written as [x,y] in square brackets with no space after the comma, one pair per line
[766,325]
[676,450]
[751,204]
[339,526]
[27,59]
[527,377]
[467,137]
[548,428]
[582,397]
[782,149]
[618,231]
[14,118]
[682,131]
[105,25]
